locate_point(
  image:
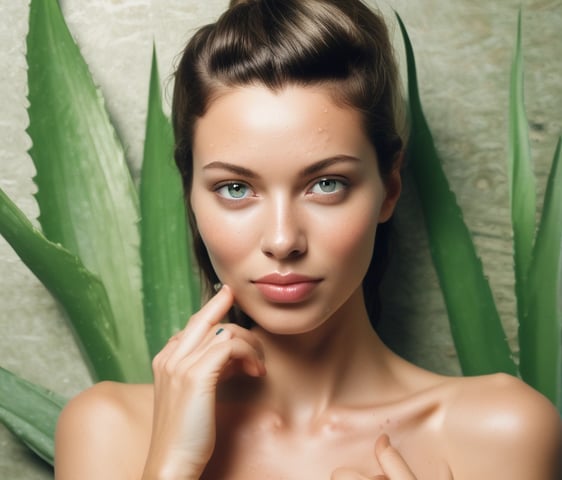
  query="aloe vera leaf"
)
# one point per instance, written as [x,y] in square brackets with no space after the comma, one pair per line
[539,329]
[30,412]
[79,291]
[476,328]
[170,286]
[521,178]
[85,193]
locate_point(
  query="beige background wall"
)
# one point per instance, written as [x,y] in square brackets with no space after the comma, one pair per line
[464,52]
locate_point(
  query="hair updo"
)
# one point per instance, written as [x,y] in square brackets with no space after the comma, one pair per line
[339,44]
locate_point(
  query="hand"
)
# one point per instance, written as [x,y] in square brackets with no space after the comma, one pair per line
[390,460]
[186,373]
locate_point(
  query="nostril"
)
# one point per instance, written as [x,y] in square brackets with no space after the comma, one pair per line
[273,253]
[284,240]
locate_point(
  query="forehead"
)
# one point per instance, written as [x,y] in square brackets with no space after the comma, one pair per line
[294,121]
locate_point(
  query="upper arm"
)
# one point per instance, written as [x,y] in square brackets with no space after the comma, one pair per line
[505,429]
[89,429]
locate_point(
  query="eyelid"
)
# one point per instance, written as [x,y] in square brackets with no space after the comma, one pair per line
[219,186]
[224,183]
[343,181]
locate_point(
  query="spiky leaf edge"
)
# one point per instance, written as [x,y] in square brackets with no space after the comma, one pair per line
[477,331]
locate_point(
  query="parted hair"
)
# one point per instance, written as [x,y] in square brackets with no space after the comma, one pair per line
[341,45]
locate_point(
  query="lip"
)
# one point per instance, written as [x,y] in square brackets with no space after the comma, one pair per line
[286,288]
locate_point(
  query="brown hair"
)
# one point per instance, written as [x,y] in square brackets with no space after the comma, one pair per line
[340,44]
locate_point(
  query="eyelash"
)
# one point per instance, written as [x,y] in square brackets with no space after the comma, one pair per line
[223,189]
[343,185]
[226,186]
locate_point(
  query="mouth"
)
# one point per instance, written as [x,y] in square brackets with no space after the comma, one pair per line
[288,288]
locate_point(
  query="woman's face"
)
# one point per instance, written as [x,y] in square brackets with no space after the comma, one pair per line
[287,197]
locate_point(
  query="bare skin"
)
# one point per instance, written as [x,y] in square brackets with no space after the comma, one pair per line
[286,182]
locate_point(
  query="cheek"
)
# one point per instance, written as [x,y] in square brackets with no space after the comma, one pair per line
[351,240]
[354,244]
[228,240]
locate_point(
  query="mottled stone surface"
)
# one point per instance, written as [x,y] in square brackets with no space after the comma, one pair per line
[464,50]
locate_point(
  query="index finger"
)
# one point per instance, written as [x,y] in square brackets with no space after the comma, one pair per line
[213,311]
[204,320]
[390,460]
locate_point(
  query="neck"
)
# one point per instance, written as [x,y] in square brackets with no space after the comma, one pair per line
[310,373]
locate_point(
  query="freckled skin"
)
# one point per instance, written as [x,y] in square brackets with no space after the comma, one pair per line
[287,182]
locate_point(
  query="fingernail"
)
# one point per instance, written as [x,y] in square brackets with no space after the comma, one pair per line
[217,286]
[219,331]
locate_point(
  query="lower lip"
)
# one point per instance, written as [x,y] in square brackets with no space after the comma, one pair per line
[291,293]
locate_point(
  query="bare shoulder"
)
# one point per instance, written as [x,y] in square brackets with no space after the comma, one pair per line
[109,420]
[499,427]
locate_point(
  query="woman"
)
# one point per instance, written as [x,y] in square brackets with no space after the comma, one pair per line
[288,141]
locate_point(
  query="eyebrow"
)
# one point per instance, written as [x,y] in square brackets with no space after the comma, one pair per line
[307,171]
[236,169]
[327,162]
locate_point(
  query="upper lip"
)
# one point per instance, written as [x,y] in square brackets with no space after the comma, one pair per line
[285,279]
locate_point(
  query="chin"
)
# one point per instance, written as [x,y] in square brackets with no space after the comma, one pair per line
[288,320]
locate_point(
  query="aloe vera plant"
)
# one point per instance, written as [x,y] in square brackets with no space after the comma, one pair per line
[85,193]
[171,289]
[91,252]
[537,252]
[30,412]
[84,158]
[475,324]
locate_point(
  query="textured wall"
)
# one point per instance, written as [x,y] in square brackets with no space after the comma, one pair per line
[464,52]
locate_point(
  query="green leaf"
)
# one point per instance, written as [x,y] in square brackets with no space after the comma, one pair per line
[30,412]
[521,178]
[475,324]
[170,284]
[81,293]
[539,329]
[85,193]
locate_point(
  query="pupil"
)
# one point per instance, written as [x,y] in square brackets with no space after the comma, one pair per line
[327,185]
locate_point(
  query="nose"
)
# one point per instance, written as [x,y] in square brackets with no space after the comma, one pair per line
[283,235]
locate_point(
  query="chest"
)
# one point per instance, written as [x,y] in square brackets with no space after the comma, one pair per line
[288,457]
[270,455]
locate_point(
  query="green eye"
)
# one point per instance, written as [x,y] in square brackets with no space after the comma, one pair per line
[327,185]
[234,191]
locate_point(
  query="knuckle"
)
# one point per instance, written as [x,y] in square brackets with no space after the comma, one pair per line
[222,347]
[157,362]
[168,369]
[162,365]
